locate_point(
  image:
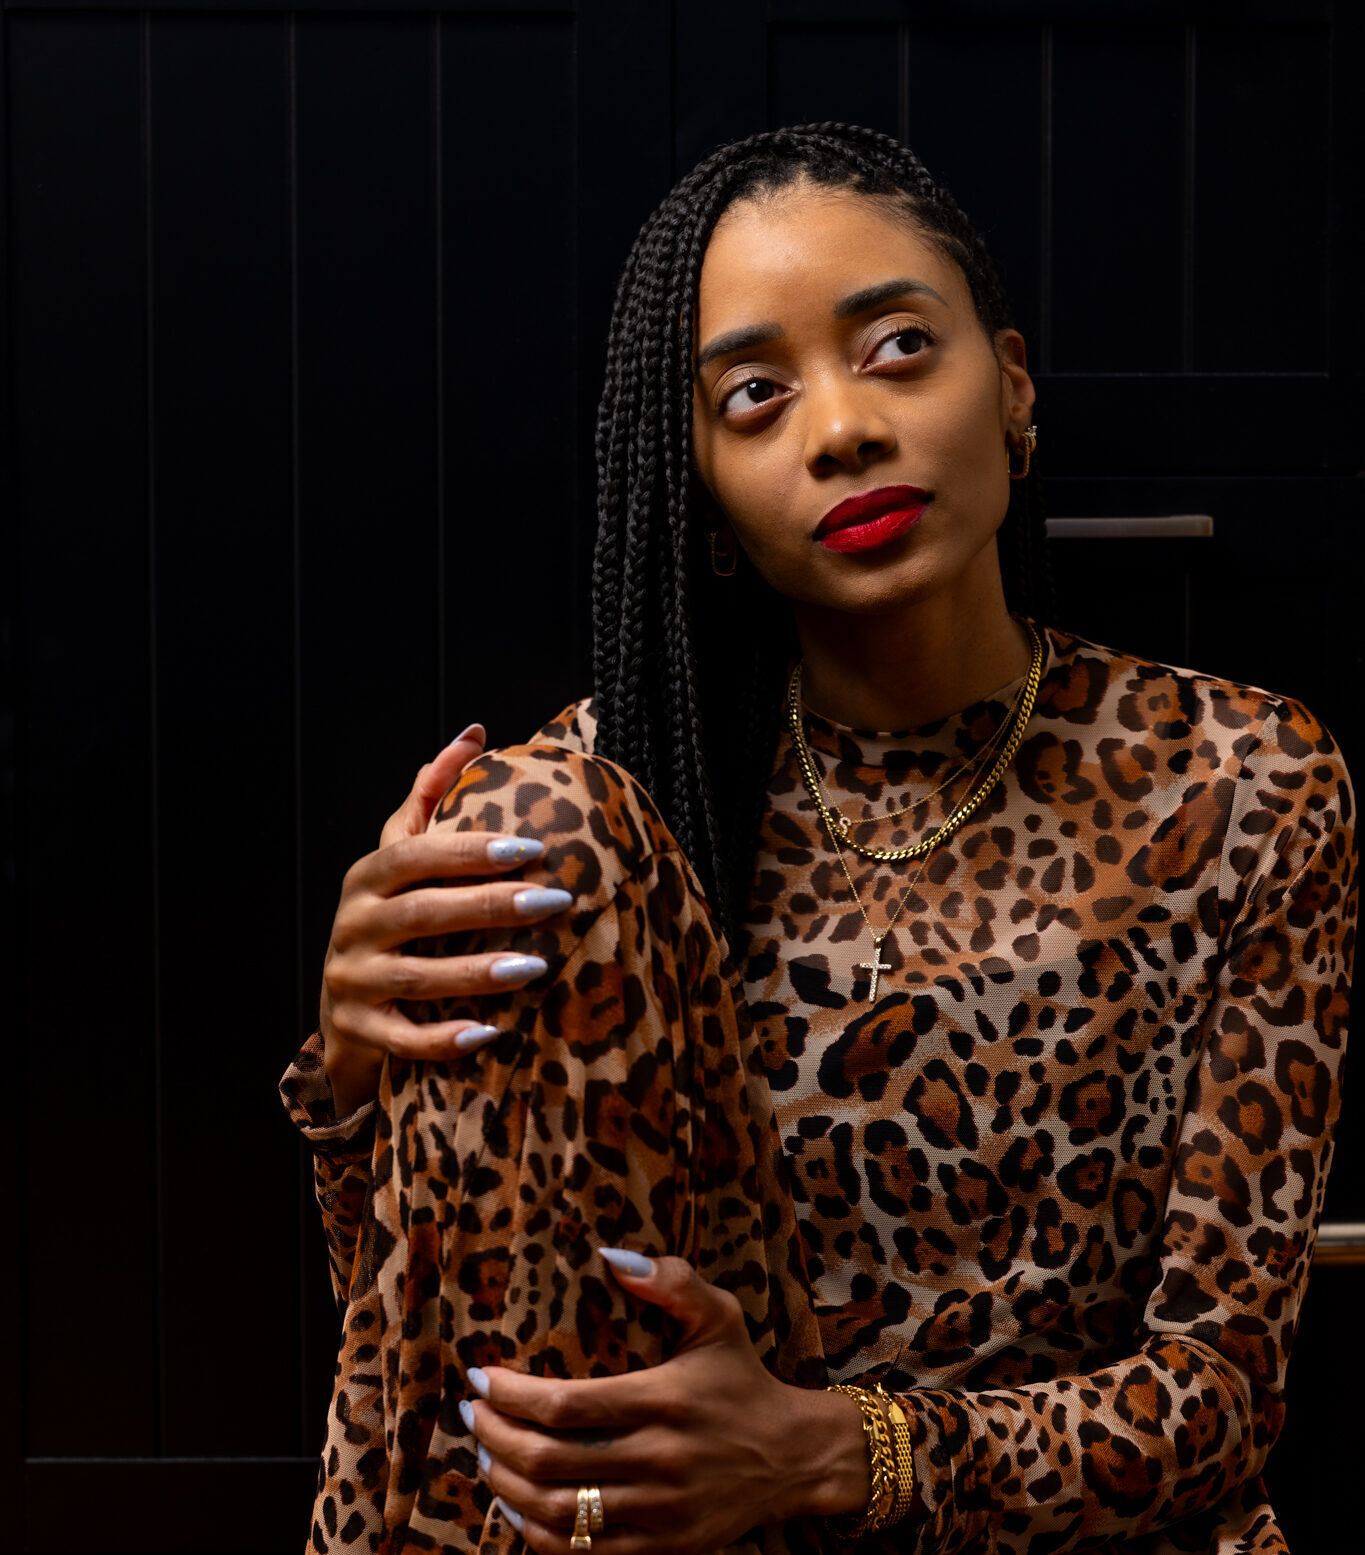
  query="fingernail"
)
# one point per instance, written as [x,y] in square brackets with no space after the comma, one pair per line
[474,1036]
[515,850]
[518,969]
[538,901]
[477,1378]
[628,1263]
[485,1463]
[473,732]
[515,1518]
[467,1415]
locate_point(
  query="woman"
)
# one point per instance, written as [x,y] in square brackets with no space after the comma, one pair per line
[1015,1098]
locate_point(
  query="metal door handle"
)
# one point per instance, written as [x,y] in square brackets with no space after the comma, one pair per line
[1340,1241]
[1187,525]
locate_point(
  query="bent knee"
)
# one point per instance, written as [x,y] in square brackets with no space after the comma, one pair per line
[598,824]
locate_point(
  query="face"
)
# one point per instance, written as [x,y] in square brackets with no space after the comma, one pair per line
[851,413]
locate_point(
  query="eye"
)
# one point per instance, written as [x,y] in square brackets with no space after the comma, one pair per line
[750,395]
[905,343]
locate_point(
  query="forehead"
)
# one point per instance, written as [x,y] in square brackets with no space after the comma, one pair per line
[804,249]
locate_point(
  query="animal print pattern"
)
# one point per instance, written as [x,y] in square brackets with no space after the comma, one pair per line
[623,1106]
[1059,1187]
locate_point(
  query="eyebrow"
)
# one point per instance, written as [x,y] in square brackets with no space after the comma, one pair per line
[752,335]
[884,291]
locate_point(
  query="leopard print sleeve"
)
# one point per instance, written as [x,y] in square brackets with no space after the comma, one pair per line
[1147,1448]
[341,1156]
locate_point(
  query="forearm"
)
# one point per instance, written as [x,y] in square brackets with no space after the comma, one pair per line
[1133,1447]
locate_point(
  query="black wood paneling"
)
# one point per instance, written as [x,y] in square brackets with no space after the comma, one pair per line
[87,868]
[218,95]
[306,317]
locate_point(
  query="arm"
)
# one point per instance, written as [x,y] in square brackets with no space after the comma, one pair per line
[1190,1414]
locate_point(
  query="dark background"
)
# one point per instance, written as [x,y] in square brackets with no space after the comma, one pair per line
[305,318]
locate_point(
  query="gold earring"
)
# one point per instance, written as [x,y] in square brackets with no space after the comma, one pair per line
[1029,441]
[720,555]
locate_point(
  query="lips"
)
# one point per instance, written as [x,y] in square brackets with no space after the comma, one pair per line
[871,519]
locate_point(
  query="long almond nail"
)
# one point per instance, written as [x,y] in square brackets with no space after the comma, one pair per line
[515,850]
[514,970]
[540,901]
[474,1037]
[475,732]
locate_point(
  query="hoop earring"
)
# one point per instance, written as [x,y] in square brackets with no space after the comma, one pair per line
[1029,441]
[720,555]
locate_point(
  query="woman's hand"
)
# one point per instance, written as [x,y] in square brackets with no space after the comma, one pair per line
[688,1455]
[366,975]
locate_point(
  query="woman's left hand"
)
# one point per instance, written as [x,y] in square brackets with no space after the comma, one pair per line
[688,1455]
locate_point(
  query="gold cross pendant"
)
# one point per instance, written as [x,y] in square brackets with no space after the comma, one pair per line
[876,966]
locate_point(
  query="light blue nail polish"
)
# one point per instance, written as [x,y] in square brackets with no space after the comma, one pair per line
[477,1378]
[485,1462]
[474,1036]
[537,901]
[469,734]
[518,969]
[467,1415]
[628,1263]
[515,1518]
[515,850]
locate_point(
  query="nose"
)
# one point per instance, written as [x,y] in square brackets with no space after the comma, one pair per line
[845,427]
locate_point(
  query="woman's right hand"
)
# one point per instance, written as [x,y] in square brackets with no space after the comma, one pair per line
[366,976]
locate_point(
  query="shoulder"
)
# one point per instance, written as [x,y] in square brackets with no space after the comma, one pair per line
[1089,682]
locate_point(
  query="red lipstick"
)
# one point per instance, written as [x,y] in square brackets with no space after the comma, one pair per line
[875,518]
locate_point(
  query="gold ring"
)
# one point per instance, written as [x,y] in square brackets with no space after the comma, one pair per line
[596,1520]
[582,1538]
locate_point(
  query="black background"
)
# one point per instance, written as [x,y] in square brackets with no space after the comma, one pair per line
[305,321]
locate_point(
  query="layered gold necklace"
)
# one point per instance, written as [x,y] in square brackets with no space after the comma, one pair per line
[1010,732]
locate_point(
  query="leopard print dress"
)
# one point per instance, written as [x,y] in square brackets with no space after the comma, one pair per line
[1058,1186]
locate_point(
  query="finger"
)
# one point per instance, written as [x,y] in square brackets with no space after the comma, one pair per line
[438,854]
[381,923]
[700,1309]
[392,1032]
[432,781]
[556,1506]
[547,1458]
[555,1541]
[374,980]
[602,1404]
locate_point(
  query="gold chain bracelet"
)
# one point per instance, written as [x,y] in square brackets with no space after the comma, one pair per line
[884,1461]
[904,1454]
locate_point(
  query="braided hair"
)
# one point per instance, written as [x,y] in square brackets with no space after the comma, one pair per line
[687,667]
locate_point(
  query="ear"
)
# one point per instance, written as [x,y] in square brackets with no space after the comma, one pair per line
[1017,393]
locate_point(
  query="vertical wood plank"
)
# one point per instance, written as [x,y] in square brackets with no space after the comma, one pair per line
[721,71]
[1117,198]
[224,623]
[367,355]
[513,540]
[1261,189]
[847,72]
[973,115]
[85,726]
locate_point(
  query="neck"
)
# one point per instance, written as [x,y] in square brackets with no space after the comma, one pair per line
[915,665]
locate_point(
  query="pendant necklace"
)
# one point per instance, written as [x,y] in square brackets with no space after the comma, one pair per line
[839,826]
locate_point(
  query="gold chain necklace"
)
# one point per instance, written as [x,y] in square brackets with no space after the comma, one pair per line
[1018,718]
[845,823]
[811,778]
